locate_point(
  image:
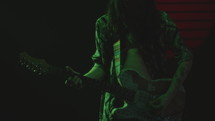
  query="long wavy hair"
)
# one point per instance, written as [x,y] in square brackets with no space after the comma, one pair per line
[137,16]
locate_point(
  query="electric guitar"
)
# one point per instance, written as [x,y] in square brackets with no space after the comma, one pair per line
[134,97]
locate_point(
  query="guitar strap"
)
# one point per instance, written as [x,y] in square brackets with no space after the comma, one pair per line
[117,59]
[116,51]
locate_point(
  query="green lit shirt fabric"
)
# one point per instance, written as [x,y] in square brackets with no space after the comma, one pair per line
[157,63]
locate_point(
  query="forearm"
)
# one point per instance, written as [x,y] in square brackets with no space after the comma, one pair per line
[179,77]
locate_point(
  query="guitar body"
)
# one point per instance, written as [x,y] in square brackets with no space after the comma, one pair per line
[139,108]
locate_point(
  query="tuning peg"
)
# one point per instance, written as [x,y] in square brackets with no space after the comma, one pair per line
[27,66]
[22,62]
[34,70]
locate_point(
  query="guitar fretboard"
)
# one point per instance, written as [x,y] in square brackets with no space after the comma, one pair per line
[114,89]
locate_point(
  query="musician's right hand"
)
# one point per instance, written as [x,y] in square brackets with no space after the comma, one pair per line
[73,80]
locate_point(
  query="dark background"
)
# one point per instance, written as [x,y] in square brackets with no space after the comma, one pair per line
[63,34]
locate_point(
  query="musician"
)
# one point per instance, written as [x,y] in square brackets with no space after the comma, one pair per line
[132,39]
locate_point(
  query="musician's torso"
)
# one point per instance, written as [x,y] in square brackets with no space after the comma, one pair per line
[134,61]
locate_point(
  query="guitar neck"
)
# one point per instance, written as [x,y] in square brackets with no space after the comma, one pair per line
[106,86]
[41,68]
[102,85]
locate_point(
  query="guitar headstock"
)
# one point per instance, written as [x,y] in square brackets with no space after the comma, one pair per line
[38,66]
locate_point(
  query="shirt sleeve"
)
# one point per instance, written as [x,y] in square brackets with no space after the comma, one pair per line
[176,43]
[97,56]
[182,53]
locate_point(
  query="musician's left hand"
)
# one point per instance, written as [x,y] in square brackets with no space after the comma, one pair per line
[160,103]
